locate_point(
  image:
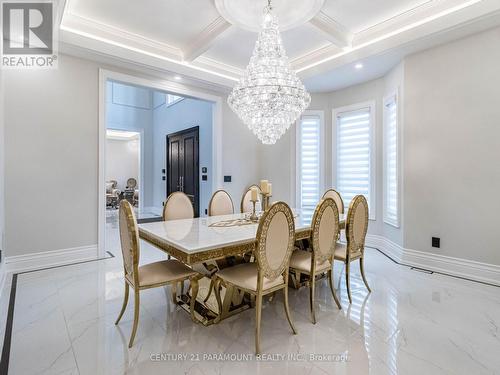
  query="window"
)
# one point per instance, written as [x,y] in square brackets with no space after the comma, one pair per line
[172,99]
[355,154]
[309,155]
[391,186]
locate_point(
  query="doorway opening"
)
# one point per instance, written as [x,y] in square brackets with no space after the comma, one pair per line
[154,112]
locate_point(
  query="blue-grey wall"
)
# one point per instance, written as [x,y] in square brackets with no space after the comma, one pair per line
[184,114]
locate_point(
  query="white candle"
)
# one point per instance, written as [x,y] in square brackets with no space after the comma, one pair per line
[270,189]
[264,185]
[254,191]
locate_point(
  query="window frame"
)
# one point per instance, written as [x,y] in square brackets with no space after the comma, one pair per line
[321,115]
[394,95]
[371,104]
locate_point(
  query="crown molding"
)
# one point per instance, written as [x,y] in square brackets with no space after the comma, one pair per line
[335,32]
[205,39]
[318,54]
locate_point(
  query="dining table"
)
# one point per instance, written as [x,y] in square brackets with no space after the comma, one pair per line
[209,243]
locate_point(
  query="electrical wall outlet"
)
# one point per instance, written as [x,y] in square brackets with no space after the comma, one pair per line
[436,242]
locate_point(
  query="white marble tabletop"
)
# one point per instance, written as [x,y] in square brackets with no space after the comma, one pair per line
[197,235]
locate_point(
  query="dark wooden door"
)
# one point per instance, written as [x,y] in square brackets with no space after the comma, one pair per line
[183,165]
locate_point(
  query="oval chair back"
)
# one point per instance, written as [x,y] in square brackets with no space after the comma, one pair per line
[246,203]
[178,206]
[220,204]
[325,229]
[335,195]
[275,240]
[356,226]
[129,238]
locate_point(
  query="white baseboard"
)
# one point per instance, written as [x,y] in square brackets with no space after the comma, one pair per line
[465,268]
[20,263]
[3,278]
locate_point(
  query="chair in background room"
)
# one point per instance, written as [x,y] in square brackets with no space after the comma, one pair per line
[112,194]
[220,204]
[246,203]
[275,239]
[325,228]
[356,228]
[152,275]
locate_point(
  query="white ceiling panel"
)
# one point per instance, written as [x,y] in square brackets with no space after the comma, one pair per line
[235,46]
[174,22]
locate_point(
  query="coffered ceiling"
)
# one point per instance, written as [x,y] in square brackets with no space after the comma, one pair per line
[211,39]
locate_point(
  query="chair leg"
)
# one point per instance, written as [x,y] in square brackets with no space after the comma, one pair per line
[347,283]
[330,281]
[136,318]
[362,269]
[287,310]
[258,316]
[312,284]
[125,301]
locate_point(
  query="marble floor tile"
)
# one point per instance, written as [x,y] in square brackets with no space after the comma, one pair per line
[412,323]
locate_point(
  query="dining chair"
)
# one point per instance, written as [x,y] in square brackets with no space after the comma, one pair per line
[246,203]
[269,273]
[178,206]
[152,275]
[335,195]
[220,204]
[324,231]
[356,228]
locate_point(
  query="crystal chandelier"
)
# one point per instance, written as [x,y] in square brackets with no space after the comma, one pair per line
[269,97]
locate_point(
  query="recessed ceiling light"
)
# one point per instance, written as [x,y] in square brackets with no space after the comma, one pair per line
[358,66]
[177,78]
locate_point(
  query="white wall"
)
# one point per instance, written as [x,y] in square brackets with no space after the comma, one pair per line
[452,153]
[51,155]
[2,174]
[122,161]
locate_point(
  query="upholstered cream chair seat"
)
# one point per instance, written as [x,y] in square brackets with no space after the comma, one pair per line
[246,203]
[301,260]
[274,245]
[356,228]
[220,204]
[167,272]
[246,276]
[341,253]
[163,272]
[325,228]
[178,206]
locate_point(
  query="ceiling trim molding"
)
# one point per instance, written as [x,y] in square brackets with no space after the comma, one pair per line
[202,42]
[311,57]
[335,32]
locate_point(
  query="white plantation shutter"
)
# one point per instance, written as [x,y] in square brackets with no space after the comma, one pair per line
[309,161]
[391,188]
[354,150]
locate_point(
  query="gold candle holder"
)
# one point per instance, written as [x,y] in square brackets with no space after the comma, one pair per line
[265,201]
[253,216]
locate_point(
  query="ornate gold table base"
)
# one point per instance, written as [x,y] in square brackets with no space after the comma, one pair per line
[206,311]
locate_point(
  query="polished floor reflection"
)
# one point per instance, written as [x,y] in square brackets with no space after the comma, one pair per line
[412,323]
